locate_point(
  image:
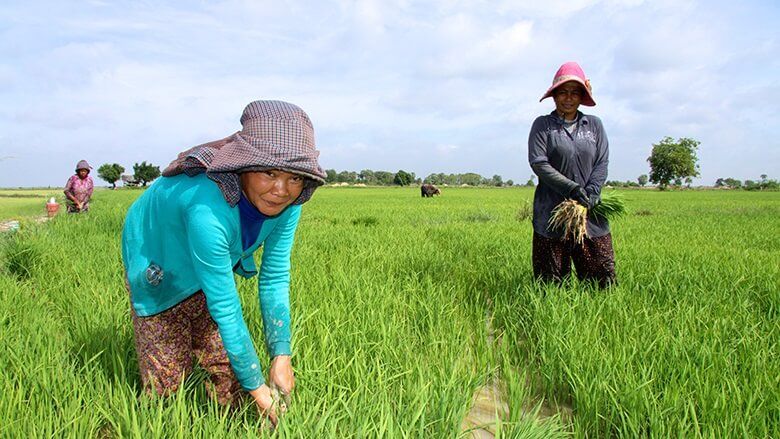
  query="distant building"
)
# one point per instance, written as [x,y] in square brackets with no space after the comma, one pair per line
[129,181]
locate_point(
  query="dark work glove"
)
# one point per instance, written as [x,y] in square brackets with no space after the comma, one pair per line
[579,195]
[593,201]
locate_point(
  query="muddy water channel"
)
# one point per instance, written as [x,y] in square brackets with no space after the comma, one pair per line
[490,407]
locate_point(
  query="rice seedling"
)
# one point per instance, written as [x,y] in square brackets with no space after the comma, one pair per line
[389,324]
[571,217]
[526,211]
[612,206]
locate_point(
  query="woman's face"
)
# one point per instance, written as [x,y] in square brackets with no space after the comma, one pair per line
[82,173]
[271,191]
[568,97]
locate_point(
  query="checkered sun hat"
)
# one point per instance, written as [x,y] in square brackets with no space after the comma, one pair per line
[275,135]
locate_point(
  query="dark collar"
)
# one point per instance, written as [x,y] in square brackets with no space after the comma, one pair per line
[248,211]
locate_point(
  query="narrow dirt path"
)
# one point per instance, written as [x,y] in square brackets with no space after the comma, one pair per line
[9,225]
[487,403]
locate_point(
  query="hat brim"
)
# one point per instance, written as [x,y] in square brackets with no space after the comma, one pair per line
[315,179]
[264,155]
[587,100]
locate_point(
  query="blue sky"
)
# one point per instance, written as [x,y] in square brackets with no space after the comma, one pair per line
[434,86]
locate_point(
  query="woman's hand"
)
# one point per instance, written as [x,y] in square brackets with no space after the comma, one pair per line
[281,374]
[265,402]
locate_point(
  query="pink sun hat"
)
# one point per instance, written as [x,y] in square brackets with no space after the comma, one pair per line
[571,71]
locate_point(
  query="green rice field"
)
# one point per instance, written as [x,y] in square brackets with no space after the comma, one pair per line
[403,307]
[17,204]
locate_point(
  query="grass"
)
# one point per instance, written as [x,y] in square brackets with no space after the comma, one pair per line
[22,203]
[389,297]
[17,204]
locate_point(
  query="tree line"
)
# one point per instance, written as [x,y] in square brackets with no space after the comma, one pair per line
[761,185]
[672,163]
[370,177]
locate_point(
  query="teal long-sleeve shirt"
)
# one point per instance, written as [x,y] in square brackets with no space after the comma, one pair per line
[184,226]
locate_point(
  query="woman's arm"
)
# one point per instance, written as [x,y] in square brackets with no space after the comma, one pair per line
[209,241]
[274,284]
[538,159]
[274,294]
[90,188]
[598,175]
[69,190]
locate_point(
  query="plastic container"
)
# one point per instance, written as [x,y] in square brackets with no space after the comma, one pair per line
[52,207]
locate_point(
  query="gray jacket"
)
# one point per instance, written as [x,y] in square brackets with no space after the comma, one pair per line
[565,161]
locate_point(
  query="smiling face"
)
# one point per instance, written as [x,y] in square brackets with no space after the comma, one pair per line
[271,191]
[568,97]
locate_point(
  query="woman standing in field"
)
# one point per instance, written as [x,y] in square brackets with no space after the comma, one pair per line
[186,236]
[78,189]
[569,152]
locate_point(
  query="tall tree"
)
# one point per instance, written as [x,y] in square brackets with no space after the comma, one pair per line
[111,173]
[366,176]
[384,177]
[471,179]
[403,178]
[673,161]
[346,177]
[433,179]
[642,180]
[145,172]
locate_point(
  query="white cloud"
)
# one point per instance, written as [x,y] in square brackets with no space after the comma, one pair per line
[470,49]
[442,86]
[447,148]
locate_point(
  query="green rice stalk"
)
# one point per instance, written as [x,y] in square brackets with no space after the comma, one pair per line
[611,207]
[572,218]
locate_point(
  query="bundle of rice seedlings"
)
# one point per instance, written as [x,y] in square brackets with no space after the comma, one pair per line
[571,217]
[611,207]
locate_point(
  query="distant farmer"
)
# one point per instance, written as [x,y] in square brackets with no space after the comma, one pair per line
[428,190]
[186,236]
[78,189]
[569,152]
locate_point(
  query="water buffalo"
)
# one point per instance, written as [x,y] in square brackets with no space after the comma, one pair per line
[429,190]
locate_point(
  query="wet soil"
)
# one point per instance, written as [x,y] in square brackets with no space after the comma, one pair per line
[489,404]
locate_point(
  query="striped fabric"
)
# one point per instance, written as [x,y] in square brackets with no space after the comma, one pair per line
[275,135]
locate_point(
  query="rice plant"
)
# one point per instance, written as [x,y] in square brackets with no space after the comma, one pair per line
[390,333]
[571,217]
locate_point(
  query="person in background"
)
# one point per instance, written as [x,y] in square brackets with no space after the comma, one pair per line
[569,152]
[78,189]
[186,236]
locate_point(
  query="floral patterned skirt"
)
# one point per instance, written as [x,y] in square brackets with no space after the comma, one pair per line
[169,343]
[594,259]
